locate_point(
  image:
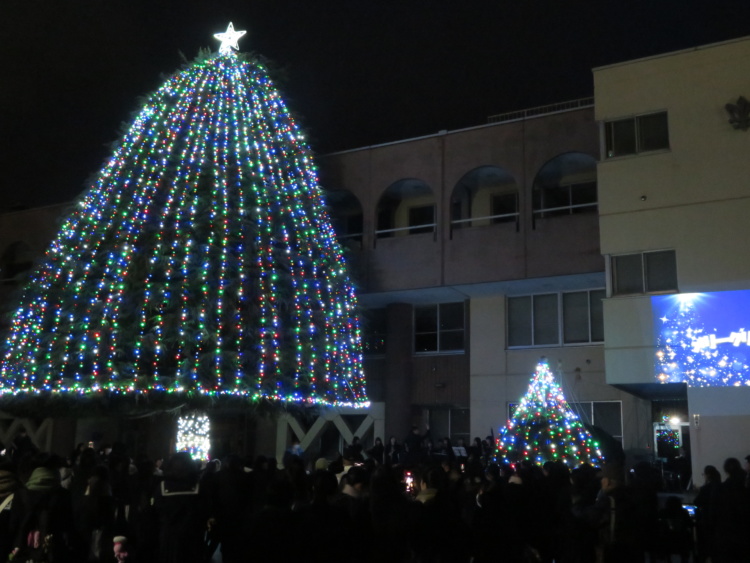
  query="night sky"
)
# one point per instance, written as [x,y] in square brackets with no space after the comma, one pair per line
[354,72]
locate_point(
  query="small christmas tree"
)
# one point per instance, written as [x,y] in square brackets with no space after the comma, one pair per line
[543,428]
[201,263]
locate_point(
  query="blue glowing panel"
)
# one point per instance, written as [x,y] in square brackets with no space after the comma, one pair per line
[702,338]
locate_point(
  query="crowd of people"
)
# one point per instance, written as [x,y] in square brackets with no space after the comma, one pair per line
[396,502]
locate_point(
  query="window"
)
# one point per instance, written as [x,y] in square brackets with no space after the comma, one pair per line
[374,329]
[565,200]
[504,208]
[439,328]
[606,415]
[553,319]
[421,219]
[645,272]
[638,134]
[348,227]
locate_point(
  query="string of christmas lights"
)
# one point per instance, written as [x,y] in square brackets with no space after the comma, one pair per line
[202,261]
[544,428]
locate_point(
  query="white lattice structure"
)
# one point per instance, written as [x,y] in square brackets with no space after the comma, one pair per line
[372,425]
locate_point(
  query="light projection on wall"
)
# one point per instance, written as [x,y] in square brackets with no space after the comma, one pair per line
[703,339]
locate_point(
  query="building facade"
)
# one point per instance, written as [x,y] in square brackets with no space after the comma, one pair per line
[674,197]
[558,232]
[477,253]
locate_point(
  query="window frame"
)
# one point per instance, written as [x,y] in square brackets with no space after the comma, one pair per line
[438,332]
[568,209]
[371,319]
[561,340]
[644,287]
[512,406]
[415,224]
[609,135]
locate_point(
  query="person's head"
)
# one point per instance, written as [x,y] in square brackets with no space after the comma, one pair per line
[378,442]
[181,467]
[747,464]
[356,478]
[433,478]
[733,468]
[392,440]
[355,441]
[711,474]
[613,477]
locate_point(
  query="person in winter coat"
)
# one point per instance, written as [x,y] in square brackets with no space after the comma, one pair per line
[182,509]
[41,516]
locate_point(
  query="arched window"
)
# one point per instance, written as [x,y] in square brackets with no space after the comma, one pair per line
[485,196]
[566,185]
[407,207]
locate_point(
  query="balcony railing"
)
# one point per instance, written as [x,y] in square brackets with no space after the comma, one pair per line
[541,110]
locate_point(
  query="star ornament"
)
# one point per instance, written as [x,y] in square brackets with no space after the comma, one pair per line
[229,40]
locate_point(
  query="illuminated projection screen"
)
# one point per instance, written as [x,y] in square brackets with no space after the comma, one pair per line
[702,338]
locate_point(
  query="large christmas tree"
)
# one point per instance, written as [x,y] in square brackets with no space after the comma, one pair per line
[201,262]
[544,428]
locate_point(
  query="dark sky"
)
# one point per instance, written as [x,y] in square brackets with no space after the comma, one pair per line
[354,72]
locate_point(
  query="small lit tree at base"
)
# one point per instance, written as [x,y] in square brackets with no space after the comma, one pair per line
[193,435]
[544,428]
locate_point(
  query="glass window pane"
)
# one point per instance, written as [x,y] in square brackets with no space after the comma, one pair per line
[582,194]
[627,273]
[596,307]
[422,215]
[451,316]
[607,416]
[425,318]
[653,133]
[373,331]
[620,137]
[546,320]
[451,340]
[583,410]
[504,204]
[661,271]
[519,321]
[558,196]
[426,342]
[575,317]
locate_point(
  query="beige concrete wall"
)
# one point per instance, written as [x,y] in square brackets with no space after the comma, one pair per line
[693,198]
[722,429]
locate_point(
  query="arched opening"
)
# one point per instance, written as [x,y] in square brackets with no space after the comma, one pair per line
[407,207]
[565,185]
[487,195]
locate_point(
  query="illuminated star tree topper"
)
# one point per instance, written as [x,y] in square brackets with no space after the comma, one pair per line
[229,40]
[200,263]
[544,428]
